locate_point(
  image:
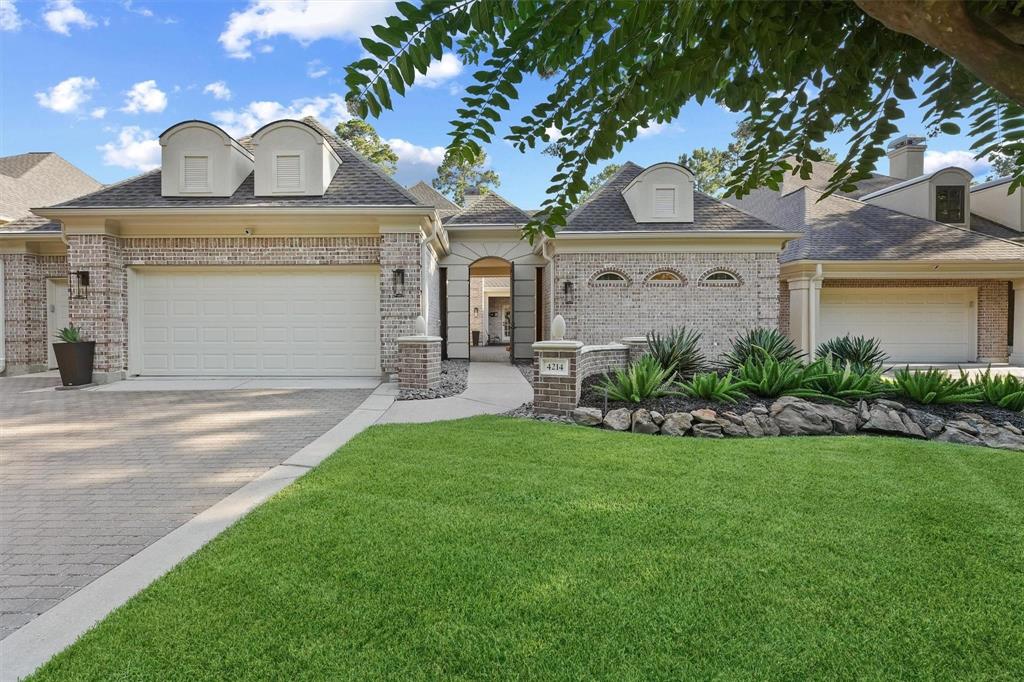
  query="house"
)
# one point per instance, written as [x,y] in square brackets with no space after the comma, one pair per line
[34,298]
[925,262]
[287,253]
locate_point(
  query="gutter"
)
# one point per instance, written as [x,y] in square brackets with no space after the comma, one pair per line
[58,213]
[677,234]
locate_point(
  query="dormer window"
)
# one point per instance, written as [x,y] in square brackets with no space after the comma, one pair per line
[288,173]
[949,203]
[664,202]
[195,173]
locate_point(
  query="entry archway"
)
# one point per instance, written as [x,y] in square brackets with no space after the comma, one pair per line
[491,310]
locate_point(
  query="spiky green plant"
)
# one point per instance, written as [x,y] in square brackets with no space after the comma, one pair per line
[760,340]
[935,387]
[642,380]
[767,376]
[1001,390]
[69,334]
[847,381]
[711,386]
[864,353]
[677,351]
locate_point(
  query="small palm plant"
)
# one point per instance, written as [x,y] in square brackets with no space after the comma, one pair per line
[847,381]
[1006,391]
[767,376]
[677,351]
[69,334]
[864,354]
[642,380]
[760,341]
[935,387]
[711,386]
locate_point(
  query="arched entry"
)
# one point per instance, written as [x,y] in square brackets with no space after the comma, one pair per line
[491,310]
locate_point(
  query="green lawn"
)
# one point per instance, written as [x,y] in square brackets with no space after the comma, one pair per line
[494,548]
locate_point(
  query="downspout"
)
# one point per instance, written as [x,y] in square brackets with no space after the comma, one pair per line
[813,301]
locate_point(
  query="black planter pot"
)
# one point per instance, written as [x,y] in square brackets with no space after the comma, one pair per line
[74,360]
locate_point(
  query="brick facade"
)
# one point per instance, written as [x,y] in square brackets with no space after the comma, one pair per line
[993,307]
[604,312]
[25,276]
[784,307]
[103,316]
[419,362]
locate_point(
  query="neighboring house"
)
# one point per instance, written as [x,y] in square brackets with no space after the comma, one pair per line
[287,253]
[924,262]
[33,297]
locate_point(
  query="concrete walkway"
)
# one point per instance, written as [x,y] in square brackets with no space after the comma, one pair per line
[492,388]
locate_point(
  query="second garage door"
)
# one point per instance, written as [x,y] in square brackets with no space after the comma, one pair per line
[249,322]
[914,325]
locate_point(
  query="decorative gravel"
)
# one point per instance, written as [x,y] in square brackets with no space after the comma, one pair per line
[454,376]
[525,411]
[526,367]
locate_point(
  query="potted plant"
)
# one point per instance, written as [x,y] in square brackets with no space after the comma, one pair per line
[74,357]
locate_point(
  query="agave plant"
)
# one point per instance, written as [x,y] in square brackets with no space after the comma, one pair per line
[711,386]
[642,380]
[846,381]
[935,387]
[69,334]
[677,351]
[1006,390]
[767,376]
[759,341]
[864,354]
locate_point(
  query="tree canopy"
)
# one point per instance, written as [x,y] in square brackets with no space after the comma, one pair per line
[457,174]
[363,137]
[797,70]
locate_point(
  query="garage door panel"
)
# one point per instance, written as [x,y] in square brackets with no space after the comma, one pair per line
[322,322]
[913,325]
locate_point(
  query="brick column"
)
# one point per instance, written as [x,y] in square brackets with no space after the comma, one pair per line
[398,251]
[25,313]
[637,347]
[556,385]
[102,314]
[419,362]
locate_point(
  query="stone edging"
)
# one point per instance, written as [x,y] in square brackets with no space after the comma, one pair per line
[789,416]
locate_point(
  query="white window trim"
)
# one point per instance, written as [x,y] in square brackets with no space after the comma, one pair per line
[675,201]
[302,172]
[209,172]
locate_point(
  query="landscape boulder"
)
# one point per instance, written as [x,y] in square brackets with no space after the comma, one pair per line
[587,416]
[677,424]
[642,422]
[704,415]
[796,417]
[705,430]
[618,420]
[889,417]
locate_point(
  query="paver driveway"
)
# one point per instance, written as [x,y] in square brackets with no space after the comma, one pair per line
[88,479]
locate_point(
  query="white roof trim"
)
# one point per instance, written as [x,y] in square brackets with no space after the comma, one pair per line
[913,181]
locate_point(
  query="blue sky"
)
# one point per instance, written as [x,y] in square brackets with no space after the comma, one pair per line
[98,81]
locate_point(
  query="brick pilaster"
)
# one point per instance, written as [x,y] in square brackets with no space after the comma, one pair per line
[398,251]
[553,393]
[101,314]
[419,361]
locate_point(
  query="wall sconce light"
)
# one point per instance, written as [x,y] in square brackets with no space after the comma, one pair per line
[567,289]
[80,284]
[398,282]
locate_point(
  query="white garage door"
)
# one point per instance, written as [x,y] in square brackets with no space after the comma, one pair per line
[219,321]
[914,325]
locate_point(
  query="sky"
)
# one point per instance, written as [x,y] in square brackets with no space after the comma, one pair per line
[97,82]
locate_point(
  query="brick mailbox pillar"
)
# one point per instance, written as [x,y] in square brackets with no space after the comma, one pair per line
[419,361]
[556,379]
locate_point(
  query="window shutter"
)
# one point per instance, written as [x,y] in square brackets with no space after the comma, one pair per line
[664,202]
[288,171]
[196,173]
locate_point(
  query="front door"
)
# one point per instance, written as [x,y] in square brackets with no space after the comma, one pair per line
[56,315]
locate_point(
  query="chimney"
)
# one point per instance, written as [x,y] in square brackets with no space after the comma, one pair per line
[471,195]
[906,157]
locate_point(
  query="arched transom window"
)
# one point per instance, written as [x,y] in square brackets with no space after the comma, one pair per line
[720,277]
[665,277]
[610,278]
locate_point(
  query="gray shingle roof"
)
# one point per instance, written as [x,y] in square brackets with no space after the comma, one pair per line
[606,211]
[992,228]
[821,173]
[839,228]
[489,209]
[19,164]
[426,194]
[358,182]
[32,224]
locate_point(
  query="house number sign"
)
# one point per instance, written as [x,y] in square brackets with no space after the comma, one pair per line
[554,367]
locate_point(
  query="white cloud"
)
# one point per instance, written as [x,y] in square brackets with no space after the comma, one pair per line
[415,162]
[61,15]
[219,90]
[134,148]
[652,129]
[10,20]
[934,160]
[316,69]
[145,96]
[440,71]
[331,110]
[98,112]
[303,20]
[129,6]
[554,133]
[67,96]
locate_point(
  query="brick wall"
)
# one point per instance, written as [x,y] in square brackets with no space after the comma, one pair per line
[102,316]
[419,362]
[25,276]
[993,307]
[398,250]
[603,313]
[556,394]
[603,359]
[784,307]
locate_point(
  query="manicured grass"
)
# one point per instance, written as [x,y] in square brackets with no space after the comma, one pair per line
[493,548]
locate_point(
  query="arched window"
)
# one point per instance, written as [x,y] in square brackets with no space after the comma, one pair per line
[665,277]
[720,277]
[610,278]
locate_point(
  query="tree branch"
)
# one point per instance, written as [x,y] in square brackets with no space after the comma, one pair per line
[949,27]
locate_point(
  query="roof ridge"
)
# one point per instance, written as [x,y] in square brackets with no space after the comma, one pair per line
[333,139]
[925,220]
[467,210]
[106,187]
